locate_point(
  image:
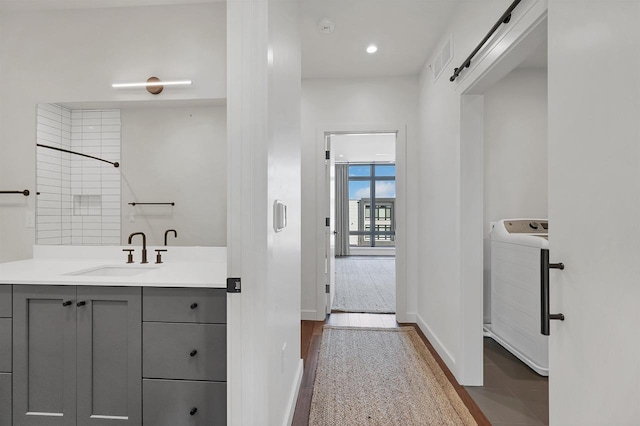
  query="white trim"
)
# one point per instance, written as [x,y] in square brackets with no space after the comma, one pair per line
[293,398]
[410,317]
[437,345]
[309,315]
[372,251]
[496,60]
[401,208]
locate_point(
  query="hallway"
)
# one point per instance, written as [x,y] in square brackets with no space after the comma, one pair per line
[512,395]
[311,333]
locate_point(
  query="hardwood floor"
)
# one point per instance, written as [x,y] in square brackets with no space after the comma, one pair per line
[311,336]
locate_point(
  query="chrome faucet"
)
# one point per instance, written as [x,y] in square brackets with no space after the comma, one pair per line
[175,235]
[144,245]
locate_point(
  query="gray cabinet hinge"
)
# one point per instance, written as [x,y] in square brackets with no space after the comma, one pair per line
[327,289]
[234,285]
[327,221]
[327,155]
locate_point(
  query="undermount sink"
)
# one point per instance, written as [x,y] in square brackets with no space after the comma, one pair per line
[113,271]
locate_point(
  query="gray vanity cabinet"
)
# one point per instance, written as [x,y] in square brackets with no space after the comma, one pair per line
[5,355]
[109,389]
[77,356]
[44,356]
[184,357]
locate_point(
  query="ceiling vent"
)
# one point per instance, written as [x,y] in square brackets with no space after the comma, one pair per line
[443,58]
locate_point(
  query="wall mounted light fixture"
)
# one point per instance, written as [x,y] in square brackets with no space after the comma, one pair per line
[153,84]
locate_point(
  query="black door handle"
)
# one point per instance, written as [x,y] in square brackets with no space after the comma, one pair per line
[545,316]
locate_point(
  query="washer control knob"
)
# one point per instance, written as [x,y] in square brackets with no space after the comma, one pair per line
[533,225]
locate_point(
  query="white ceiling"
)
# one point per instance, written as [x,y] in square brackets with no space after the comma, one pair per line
[405,32]
[364,148]
[88,4]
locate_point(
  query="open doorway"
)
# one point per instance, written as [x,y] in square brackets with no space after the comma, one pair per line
[362,181]
[506,115]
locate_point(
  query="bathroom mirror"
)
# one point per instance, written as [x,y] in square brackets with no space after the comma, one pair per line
[171,174]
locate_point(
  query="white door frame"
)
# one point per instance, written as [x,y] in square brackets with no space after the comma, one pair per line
[401,209]
[330,234]
[510,45]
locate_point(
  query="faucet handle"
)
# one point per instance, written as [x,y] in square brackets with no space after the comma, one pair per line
[130,255]
[159,255]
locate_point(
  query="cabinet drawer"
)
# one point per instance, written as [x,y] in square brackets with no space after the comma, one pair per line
[5,345]
[168,351]
[184,305]
[172,402]
[5,399]
[5,301]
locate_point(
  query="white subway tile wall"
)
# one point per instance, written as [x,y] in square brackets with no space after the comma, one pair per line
[79,201]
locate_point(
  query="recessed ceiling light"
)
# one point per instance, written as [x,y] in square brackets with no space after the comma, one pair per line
[372,48]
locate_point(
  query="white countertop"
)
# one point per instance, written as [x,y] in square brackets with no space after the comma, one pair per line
[203,267]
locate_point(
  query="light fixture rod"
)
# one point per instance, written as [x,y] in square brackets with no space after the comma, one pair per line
[152,83]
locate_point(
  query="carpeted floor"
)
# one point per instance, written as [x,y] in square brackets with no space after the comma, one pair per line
[374,376]
[365,284]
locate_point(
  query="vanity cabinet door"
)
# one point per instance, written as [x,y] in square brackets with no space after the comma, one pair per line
[109,356]
[44,356]
[5,399]
[5,301]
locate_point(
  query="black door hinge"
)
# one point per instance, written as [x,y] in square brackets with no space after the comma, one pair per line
[327,155]
[327,288]
[327,221]
[234,285]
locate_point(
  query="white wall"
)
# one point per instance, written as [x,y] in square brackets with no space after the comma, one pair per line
[264,366]
[515,155]
[439,297]
[175,154]
[108,45]
[333,104]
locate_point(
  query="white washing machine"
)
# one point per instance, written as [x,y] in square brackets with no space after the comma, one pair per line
[515,289]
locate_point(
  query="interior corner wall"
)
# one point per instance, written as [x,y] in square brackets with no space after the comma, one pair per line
[439,306]
[110,45]
[515,155]
[352,102]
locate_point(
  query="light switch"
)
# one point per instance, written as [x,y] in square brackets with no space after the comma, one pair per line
[279,215]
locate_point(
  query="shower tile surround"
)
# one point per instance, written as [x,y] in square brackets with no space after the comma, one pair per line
[79,200]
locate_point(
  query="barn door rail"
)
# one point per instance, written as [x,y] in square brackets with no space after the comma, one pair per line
[545,316]
[504,19]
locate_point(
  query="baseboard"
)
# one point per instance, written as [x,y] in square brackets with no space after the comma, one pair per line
[407,318]
[293,398]
[437,345]
[309,315]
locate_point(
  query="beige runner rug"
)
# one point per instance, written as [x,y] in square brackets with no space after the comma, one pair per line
[377,376]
